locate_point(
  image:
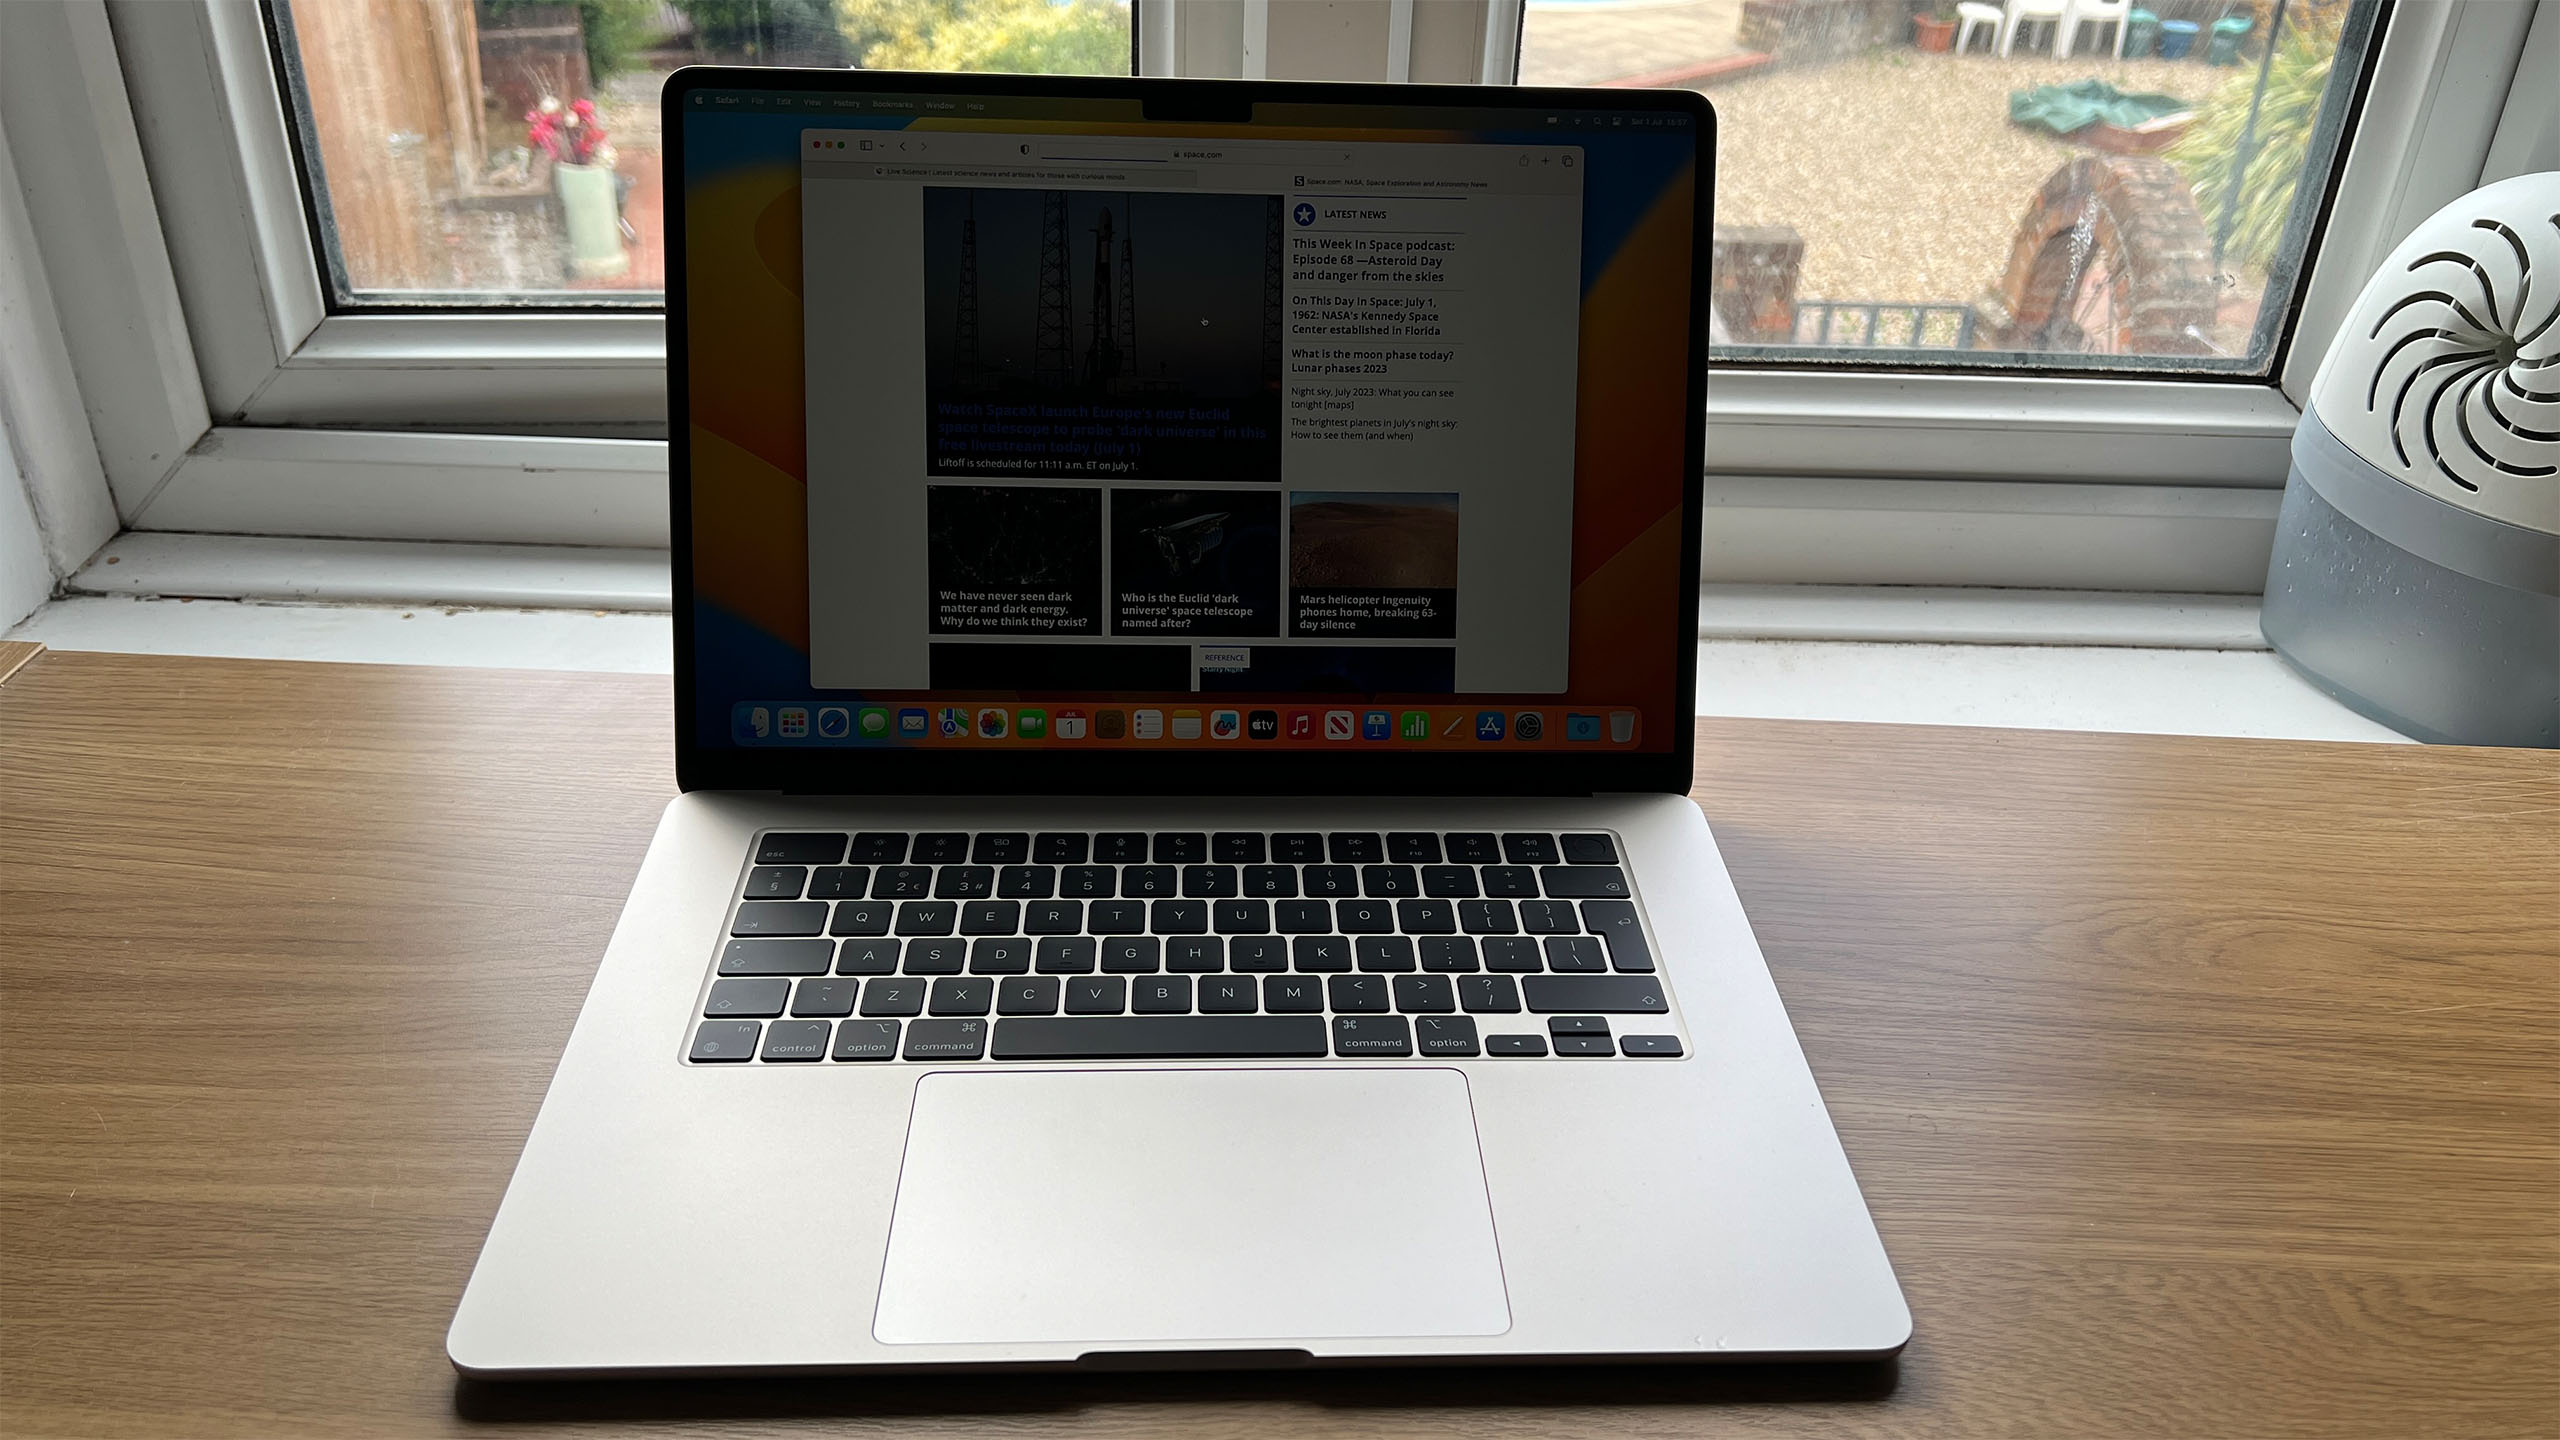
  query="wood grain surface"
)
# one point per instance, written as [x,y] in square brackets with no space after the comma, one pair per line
[2199,1087]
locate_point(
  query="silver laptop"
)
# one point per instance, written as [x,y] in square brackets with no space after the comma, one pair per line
[1185,612]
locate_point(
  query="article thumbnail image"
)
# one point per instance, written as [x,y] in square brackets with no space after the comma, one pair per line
[1102,333]
[1195,562]
[1366,565]
[1014,560]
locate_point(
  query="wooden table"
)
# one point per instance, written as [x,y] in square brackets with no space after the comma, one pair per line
[2200,1087]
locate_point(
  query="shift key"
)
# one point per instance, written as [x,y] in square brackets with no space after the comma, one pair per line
[1593,995]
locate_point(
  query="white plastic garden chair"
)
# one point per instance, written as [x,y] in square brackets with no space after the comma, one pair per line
[2027,12]
[1976,13]
[2092,12]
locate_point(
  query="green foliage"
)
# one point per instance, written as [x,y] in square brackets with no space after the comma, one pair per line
[804,31]
[614,29]
[1022,37]
[2209,153]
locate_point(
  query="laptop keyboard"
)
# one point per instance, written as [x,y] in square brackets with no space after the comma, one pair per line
[945,946]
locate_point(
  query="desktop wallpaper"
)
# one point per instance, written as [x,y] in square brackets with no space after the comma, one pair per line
[741,217]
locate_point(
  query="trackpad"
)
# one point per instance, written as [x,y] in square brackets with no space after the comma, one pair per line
[1106,1206]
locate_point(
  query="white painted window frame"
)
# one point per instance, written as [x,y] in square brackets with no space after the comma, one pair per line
[412,426]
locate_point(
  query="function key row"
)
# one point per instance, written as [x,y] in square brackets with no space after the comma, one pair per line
[1185,955]
[1184,847]
[900,997]
[1199,881]
[1145,1038]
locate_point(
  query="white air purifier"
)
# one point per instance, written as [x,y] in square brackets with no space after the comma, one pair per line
[2416,572]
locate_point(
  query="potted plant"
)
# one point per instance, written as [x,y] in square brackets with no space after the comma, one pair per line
[1934,30]
[582,172]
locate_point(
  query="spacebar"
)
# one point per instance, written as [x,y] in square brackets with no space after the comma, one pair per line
[1159,1037]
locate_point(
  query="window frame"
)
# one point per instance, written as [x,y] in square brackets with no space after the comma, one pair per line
[204,92]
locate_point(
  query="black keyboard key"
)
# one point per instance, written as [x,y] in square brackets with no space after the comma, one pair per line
[1615,921]
[1594,994]
[1531,850]
[1508,880]
[801,849]
[1088,882]
[1161,1037]
[1424,994]
[1354,848]
[1161,995]
[936,956]
[1060,848]
[1489,995]
[991,917]
[1053,917]
[1449,955]
[1179,917]
[1029,995]
[1151,882]
[1575,955]
[824,999]
[1578,1025]
[1272,882]
[746,999]
[902,882]
[1413,847]
[1182,847]
[1228,994]
[1241,917]
[1209,882]
[1666,1046]
[1449,882]
[951,1039]
[1301,917]
[1296,848]
[867,1040]
[1097,995]
[725,1041]
[1426,917]
[940,848]
[1115,917]
[897,995]
[1355,1036]
[1027,882]
[1474,848]
[776,882]
[1263,954]
[1365,917]
[1195,955]
[787,1041]
[1330,881]
[927,917]
[1389,881]
[1453,1036]
[1487,917]
[1130,955]
[1319,954]
[1236,847]
[1383,954]
[1585,1045]
[862,917]
[1549,917]
[1000,847]
[780,917]
[1292,994]
[879,847]
[1120,848]
[1584,881]
[1357,994]
[1005,955]
[775,957]
[962,995]
[839,882]
[1067,955]
[1513,955]
[964,882]
[1590,850]
[867,957]
[1515,1045]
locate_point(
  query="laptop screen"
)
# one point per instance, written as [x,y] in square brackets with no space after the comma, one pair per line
[1026,422]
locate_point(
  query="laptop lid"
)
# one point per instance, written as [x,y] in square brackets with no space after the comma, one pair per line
[1102,435]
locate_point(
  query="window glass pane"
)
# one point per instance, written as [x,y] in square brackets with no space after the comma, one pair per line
[1891,187]
[506,152]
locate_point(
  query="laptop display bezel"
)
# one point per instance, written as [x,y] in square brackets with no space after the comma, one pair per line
[1244,770]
